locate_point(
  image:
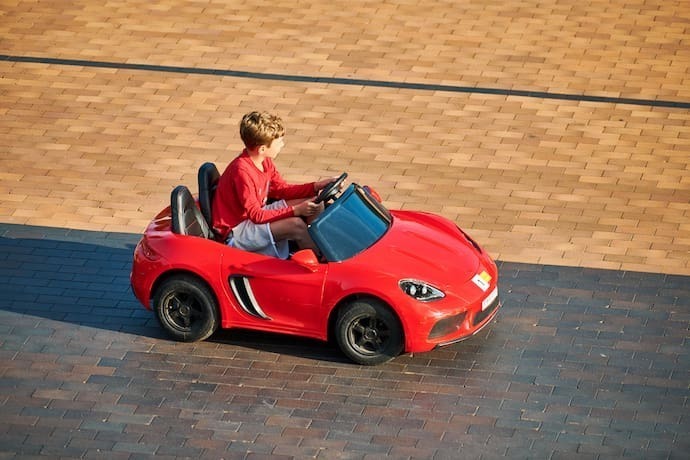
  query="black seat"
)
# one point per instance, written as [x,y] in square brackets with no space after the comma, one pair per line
[208,181]
[186,217]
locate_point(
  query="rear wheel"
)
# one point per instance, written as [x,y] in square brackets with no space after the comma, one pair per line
[368,332]
[186,308]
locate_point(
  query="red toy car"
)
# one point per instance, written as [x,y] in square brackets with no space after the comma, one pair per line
[389,281]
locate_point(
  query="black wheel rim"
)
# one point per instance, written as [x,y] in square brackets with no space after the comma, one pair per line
[368,335]
[182,311]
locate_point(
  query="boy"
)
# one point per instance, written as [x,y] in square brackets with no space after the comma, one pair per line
[241,215]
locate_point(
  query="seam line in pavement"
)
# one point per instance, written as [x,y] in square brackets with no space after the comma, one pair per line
[347,81]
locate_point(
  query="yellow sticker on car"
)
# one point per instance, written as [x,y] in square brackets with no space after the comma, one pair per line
[482,280]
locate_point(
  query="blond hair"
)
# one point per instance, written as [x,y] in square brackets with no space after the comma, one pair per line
[260,128]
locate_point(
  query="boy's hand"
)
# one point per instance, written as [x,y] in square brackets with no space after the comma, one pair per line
[306,208]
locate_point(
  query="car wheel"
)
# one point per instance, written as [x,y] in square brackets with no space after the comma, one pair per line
[186,308]
[368,333]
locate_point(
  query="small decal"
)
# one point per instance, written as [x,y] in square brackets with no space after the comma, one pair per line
[482,280]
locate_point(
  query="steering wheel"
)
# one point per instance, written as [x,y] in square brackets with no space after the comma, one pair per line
[328,192]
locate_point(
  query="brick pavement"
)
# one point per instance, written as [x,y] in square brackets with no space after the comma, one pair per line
[584,200]
[581,363]
[568,182]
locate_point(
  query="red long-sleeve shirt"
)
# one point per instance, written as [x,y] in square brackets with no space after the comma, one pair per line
[243,190]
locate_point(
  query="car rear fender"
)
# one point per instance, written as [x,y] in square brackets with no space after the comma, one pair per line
[206,272]
[182,272]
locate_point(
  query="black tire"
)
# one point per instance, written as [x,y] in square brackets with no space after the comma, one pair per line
[368,332]
[186,308]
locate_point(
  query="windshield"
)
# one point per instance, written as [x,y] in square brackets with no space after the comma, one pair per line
[350,225]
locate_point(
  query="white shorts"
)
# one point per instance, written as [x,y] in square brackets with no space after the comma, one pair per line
[252,237]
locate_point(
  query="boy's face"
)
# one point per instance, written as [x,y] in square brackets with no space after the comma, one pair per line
[272,151]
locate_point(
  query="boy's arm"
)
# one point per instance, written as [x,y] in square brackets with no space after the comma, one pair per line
[252,200]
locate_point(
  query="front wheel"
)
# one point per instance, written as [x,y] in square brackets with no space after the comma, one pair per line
[368,333]
[186,308]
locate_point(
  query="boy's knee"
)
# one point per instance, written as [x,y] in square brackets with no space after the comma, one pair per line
[298,225]
[298,232]
[293,228]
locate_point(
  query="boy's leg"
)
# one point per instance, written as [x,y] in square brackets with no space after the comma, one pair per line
[293,228]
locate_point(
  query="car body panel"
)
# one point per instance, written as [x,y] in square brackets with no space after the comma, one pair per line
[288,294]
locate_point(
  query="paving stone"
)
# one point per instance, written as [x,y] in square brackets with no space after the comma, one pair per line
[584,202]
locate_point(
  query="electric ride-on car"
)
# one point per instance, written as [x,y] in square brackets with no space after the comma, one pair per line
[386,282]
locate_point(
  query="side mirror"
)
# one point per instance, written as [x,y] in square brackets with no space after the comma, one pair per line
[307,259]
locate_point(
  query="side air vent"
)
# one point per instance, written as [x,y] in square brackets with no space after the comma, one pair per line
[245,297]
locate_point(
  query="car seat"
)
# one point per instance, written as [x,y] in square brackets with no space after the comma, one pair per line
[208,177]
[186,216]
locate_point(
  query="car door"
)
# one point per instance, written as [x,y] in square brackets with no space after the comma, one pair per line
[277,295]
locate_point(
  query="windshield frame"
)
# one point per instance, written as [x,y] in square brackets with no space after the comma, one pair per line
[354,222]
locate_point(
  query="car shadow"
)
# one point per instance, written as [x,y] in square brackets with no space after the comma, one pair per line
[82,278]
[299,347]
[77,277]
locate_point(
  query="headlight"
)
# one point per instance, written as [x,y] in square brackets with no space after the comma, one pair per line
[420,290]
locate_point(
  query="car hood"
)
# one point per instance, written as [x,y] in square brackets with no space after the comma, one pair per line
[427,248]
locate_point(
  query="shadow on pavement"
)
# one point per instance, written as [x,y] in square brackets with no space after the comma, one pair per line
[82,278]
